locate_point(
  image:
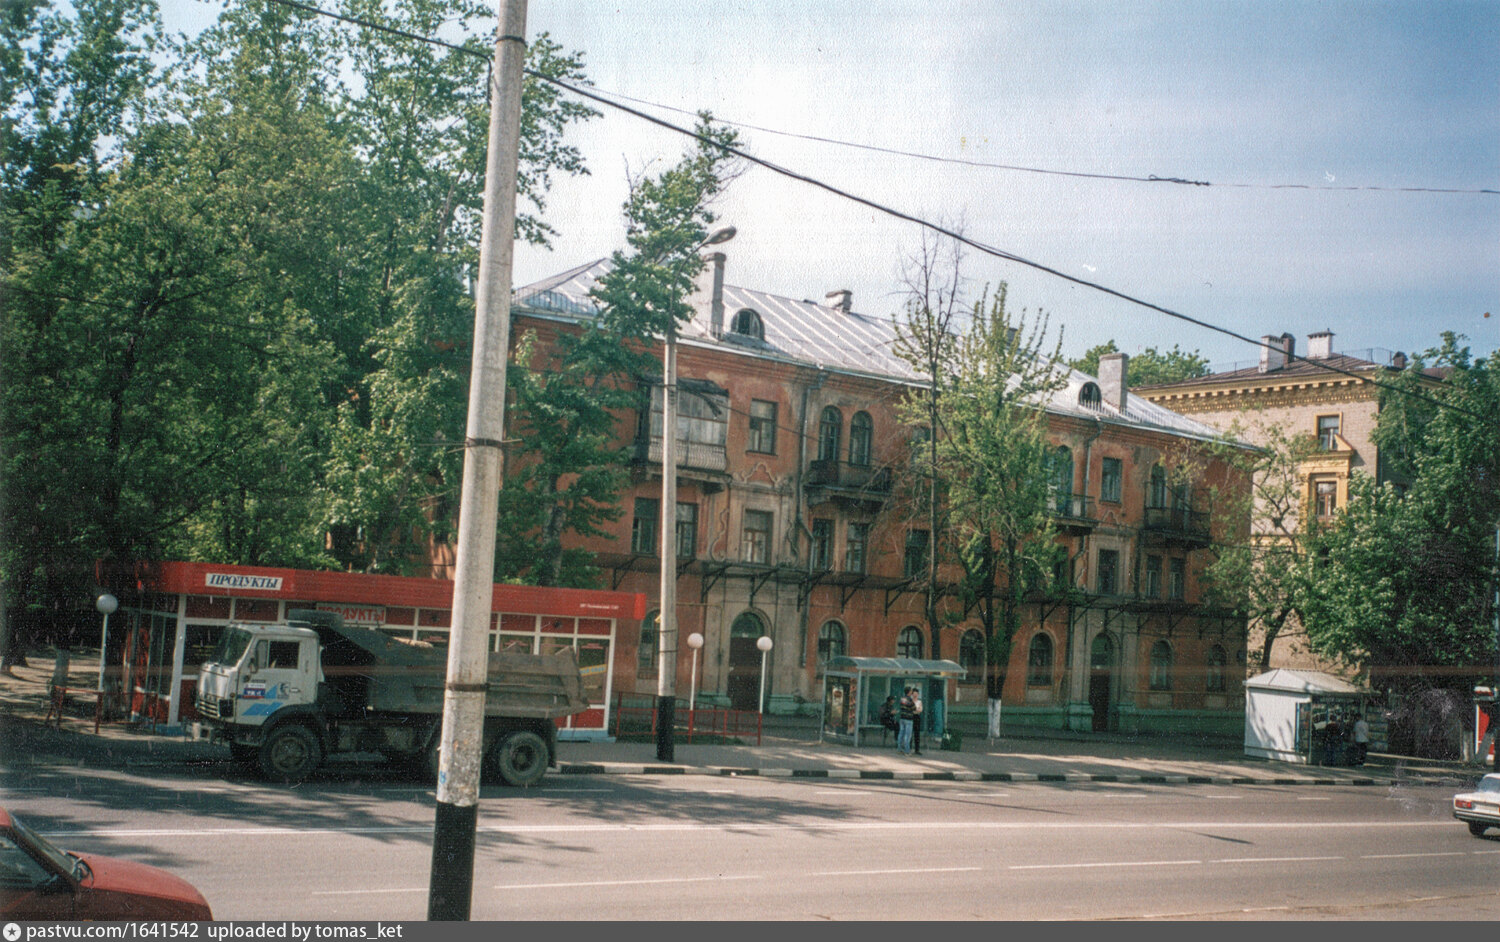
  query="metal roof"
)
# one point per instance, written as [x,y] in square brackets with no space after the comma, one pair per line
[807,333]
[1303,681]
[894,667]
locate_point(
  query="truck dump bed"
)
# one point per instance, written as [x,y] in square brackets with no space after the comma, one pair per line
[397,677]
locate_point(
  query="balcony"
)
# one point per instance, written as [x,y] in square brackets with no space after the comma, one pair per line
[1073,513]
[855,485]
[1176,526]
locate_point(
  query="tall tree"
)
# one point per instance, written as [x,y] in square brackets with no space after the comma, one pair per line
[1402,578]
[993,462]
[572,397]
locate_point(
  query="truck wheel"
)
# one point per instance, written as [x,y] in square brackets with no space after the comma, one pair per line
[1476,828]
[520,758]
[289,754]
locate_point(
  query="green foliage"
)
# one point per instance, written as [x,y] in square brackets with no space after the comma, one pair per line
[1149,367]
[994,463]
[1403,579]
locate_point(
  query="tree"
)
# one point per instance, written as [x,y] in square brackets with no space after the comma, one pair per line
[993,463]
[1149,367]
[566,469]
[1262,574]
[1402,578]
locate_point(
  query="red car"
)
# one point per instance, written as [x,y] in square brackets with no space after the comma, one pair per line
[38,881]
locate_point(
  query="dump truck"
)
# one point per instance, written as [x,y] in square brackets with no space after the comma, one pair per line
[286,696]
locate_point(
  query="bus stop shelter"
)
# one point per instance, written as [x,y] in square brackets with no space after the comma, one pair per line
[854,688]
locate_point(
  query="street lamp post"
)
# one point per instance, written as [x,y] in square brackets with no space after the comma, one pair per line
[695,641]
[764,643]
[106,604]
[666,635]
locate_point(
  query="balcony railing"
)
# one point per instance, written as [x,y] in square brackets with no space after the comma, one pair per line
[826,473]
[700,456]
[1178,523]
[1072,510]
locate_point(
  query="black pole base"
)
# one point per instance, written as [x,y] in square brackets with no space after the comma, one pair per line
[666,720]
[451,889]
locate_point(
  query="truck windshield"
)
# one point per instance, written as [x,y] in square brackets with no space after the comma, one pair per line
[232,646]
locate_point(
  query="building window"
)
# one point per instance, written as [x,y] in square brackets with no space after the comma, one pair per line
[1156,493]
[914,564]
[755,546]
[687,530]
[1213,670]
[1109,571]
[1153,577]
[861,431]
[830,427]
[921,452]
[820,555]
[1039,661]
[1161,666]
[1110,480]
[747,323]
[762,427]
[1062,479]
[1089,397]
[1177,579]
[909,643]
[971,653]
[643,527]
[1325,497]
[645,651]
[830,643]
[1328,431]
[854,549]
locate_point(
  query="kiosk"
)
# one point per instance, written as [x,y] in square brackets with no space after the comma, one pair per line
[854,688]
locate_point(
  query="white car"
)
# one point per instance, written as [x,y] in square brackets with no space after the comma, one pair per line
[1480,807]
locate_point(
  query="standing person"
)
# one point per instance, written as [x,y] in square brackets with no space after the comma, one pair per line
[903,737]
[916,719]
[1333,733]
[1361,738]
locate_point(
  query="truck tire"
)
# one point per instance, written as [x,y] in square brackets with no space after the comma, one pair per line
[290,753]
[520,758]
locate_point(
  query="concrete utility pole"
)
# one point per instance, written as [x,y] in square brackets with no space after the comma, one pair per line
[450,891]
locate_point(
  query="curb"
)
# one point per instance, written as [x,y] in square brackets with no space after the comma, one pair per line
[593,768]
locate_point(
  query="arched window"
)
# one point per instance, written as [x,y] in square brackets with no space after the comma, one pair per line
[747,323]
[971,653]
[1161,666]
[645,654]
[1156,495]
[861,431]
[830,643]
[909,643]
[1062,479]
[1039,661]
[830,427]
[1213,669]
[1089,397]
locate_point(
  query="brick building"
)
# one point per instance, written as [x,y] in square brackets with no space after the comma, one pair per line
[790,525]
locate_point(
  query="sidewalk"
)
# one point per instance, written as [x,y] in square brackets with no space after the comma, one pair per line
[790,747]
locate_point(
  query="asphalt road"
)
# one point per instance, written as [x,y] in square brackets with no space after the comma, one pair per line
[628,847]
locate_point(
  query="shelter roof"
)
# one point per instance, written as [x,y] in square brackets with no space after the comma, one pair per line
[895,667]
[1303,681]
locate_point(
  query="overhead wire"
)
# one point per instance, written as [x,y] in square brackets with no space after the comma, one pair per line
[937,228]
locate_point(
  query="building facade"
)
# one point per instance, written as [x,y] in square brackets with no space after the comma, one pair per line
[791,525]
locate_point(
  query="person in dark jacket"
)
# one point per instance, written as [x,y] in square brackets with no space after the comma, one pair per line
[903,738]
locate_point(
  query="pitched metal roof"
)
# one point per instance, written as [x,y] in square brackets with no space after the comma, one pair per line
[810,334]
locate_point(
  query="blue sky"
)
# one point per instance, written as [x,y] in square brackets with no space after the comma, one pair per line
[1244,95]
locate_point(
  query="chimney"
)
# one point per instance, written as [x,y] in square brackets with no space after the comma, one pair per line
[843,299]
[1320,345]
[712,280]
[1398,362]
[1275,352]
[1112,368]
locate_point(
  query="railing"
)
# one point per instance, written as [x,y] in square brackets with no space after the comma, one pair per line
[834,473]
[1180,520]
[724,724]
[700,455]
[1070,506]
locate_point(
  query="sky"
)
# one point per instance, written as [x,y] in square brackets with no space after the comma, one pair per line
[1279,106]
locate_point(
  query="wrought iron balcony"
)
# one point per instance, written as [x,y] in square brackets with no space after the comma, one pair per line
[1073,512]
[1180,525]
[854,483]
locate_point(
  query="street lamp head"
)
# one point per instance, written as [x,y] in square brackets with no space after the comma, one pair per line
[695,641]
[719,236]
[763,643]
[106,604]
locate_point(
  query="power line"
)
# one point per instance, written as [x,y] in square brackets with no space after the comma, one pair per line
[879,207]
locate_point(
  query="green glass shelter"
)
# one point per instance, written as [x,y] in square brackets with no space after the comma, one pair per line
[854,688]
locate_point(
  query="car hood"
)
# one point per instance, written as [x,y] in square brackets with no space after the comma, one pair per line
[124,889]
